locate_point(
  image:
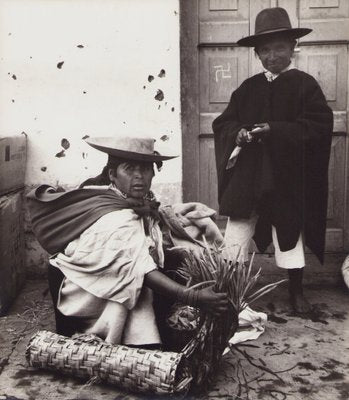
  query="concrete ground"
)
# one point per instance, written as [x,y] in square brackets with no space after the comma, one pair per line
[296,358]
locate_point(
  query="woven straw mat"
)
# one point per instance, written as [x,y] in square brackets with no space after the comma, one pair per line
[133,369]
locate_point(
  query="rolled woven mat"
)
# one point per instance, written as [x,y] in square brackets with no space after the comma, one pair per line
[87,356]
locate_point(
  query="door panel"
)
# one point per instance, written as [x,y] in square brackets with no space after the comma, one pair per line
[222,70]
[328,65]
[223,21]
[323,9]
[336,195]
[208,178]
[222,66]
[329,19]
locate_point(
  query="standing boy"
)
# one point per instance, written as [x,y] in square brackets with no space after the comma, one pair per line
[276,188]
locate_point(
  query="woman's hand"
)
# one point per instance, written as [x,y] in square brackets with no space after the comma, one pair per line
[212,302]
[206,299]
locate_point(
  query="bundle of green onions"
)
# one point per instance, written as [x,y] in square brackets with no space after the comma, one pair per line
[208,266]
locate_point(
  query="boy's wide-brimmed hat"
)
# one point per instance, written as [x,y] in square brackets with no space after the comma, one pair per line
[129,148]
[269,23]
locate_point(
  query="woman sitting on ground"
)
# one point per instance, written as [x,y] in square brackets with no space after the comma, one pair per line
[107,247]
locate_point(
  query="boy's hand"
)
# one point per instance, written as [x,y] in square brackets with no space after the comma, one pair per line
[260,130]
[243,137]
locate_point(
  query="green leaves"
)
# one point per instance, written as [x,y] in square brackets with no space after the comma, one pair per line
[207,265]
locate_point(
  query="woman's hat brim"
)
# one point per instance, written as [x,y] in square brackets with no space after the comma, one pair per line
[254,40]
[129,155]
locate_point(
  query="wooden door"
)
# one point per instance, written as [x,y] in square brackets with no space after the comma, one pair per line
[212,66]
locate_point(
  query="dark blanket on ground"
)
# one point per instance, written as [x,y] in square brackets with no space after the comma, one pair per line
[296,154]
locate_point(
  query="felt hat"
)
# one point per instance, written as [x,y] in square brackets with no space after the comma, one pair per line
[128,148]
[271,22]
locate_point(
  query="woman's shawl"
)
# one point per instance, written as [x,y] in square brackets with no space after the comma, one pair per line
[104,252]
[58,217]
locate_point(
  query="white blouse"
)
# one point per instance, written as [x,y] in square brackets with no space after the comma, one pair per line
[104,270]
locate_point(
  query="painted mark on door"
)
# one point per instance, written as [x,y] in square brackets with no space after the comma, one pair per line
[222,72]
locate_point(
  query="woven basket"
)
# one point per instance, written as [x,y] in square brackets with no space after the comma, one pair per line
[87,356]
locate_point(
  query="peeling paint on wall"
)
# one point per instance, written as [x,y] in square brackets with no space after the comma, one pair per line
[60,64]
[162,73]
[150,78]
[60,154]
[65,143]
[159,95]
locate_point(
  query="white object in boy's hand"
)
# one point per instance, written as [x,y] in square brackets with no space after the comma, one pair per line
[234,155]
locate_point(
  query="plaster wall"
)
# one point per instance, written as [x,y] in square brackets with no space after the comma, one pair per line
[76,68]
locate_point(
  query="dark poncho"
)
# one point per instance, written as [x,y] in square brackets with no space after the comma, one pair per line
[284,178]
